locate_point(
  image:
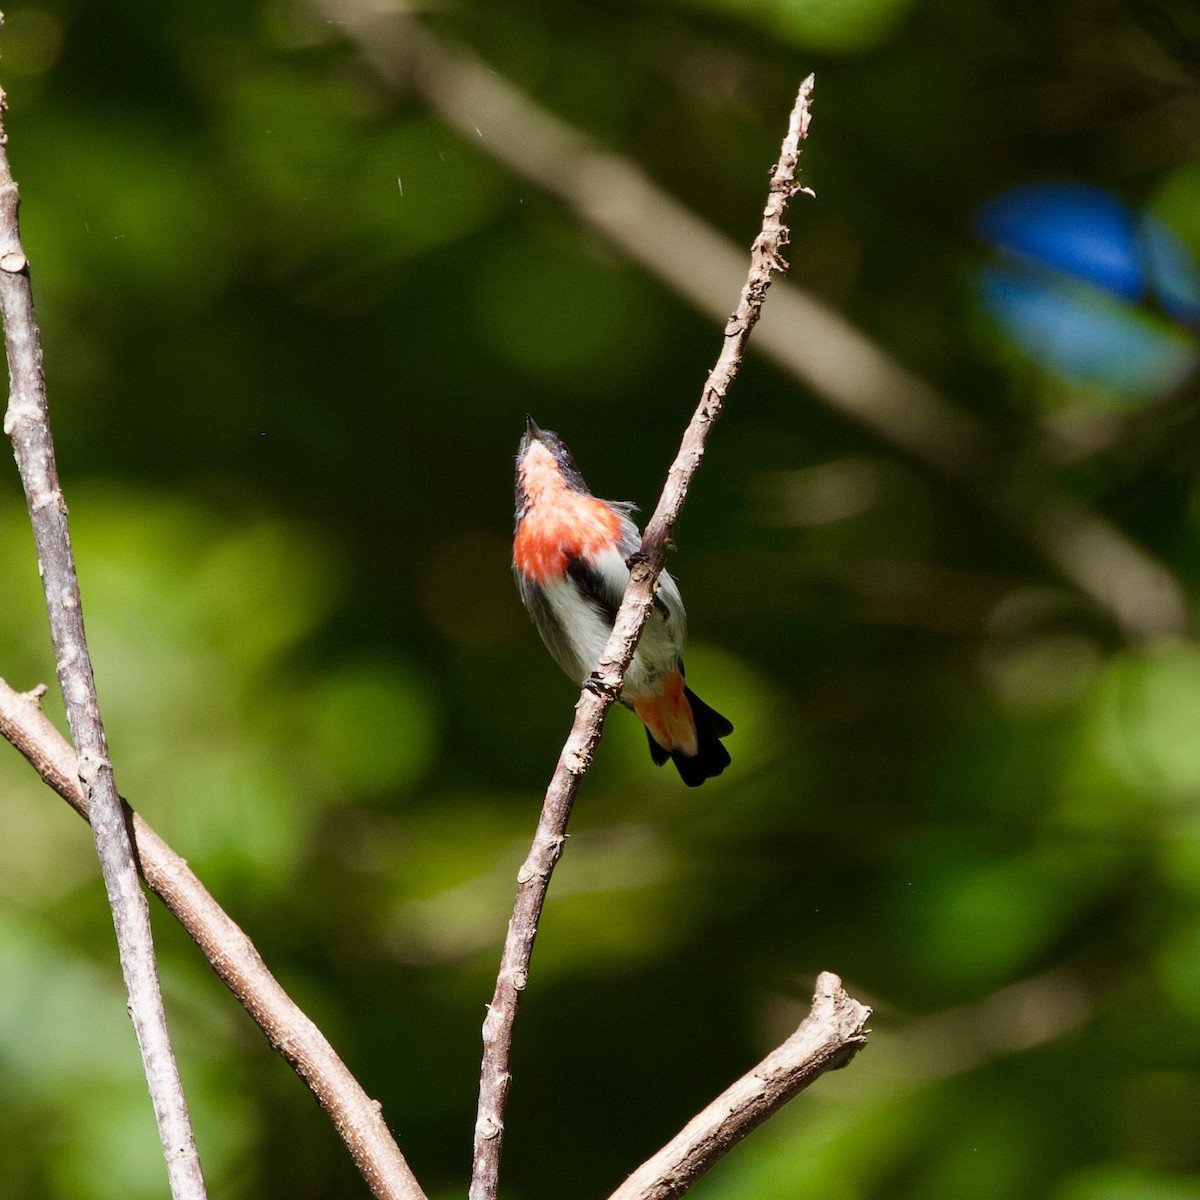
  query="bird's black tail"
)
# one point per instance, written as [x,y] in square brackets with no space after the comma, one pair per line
[711,757]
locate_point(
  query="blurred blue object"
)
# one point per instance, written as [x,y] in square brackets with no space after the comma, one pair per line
[1082,231]
[1091,291]
[1172,271]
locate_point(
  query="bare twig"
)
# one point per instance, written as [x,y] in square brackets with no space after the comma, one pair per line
[803,337]
[832,1033]
[605,686]
[355,1115]
[906,1061]
[27,423]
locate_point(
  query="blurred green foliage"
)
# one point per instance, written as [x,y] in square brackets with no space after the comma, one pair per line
[292,328]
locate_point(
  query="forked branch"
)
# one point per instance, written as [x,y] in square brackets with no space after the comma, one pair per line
[356,1117]
[829,1037]
[533,879]
[27,423]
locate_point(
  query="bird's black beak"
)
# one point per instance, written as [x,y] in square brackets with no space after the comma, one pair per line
[532,430]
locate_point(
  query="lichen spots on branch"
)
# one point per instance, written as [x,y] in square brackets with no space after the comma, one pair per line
[557,523]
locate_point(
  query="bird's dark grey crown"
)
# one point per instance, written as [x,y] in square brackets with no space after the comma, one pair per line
[566,464]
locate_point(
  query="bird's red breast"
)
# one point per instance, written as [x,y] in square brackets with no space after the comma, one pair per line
[557,522]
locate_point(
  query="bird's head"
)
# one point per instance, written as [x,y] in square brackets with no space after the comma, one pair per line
[544,467]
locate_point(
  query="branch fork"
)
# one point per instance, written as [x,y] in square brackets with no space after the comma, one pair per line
[27,423]
[603,686]
[825,1040]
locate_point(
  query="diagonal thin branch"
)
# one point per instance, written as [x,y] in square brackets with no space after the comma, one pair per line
[828,1038]
[356,1117]
[27,423]
[533,878]
[802,336]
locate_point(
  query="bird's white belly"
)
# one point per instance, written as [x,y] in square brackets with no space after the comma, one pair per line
[588,631]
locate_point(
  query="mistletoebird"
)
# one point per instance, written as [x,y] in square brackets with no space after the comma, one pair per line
[570,558]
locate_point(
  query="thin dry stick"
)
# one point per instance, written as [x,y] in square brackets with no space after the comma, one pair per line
[357,1118]
[1012,1020]
[604,687]
[27,423]
[802,336]
[829,1037]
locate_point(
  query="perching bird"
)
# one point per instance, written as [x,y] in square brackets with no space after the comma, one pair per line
[570,557]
